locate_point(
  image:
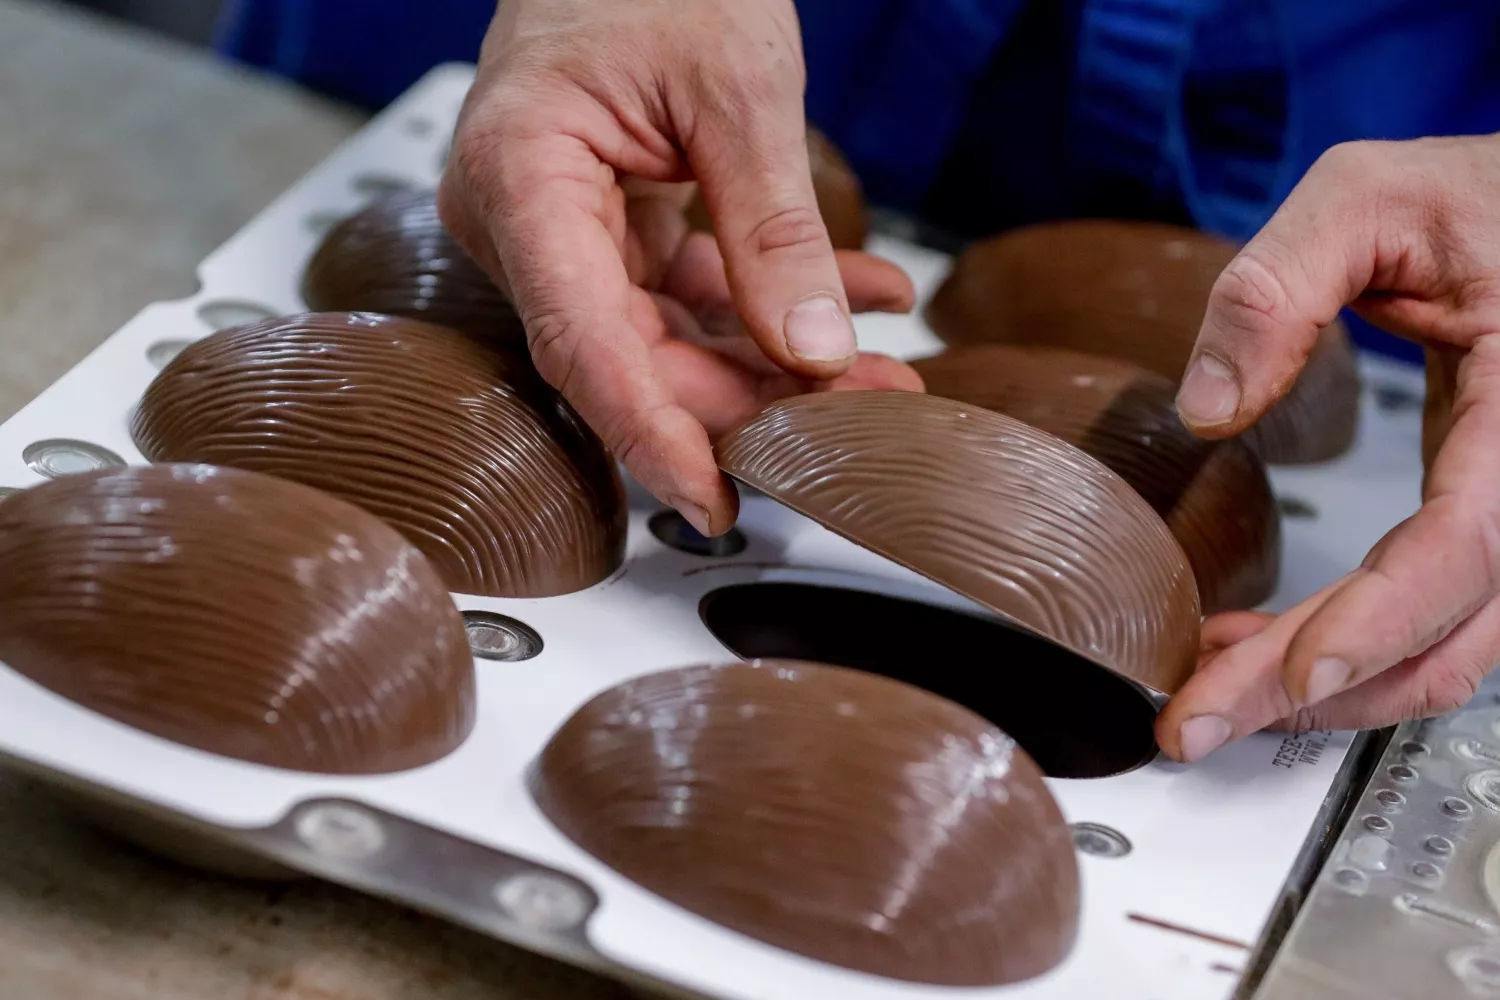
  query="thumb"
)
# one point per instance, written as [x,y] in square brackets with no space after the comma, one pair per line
[1316,255]
[782,272]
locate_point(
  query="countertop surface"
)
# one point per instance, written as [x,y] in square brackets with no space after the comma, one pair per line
[124,160]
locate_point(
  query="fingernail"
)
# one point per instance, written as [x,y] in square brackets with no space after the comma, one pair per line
[1210,394]
[696,514]
[1326,679]
[817,329]
[1203,735]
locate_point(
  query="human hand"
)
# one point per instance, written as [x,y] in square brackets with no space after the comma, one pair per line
[567,183]
[1409,235]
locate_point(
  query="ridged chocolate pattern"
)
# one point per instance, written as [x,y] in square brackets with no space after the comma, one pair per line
[1136,291]
[833,813]
[450,438]
[1007,515]
[395,257]
[237,614]
[841,198]
[1214,495]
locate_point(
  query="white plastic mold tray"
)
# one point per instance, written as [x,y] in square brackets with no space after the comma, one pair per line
[1175,917]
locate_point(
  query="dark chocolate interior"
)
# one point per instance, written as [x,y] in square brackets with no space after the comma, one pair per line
[1073,719]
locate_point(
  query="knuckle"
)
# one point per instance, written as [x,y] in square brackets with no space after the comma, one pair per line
[792,229]
[1359,161]
[1251,292]
[1445,688]
[554,350]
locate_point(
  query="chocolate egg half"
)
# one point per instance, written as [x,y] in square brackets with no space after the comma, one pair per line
[1214,495]
[841,198]
[450,438]
[395,257]
[1136,291]
[1001,512]
[237,614]
[839,815]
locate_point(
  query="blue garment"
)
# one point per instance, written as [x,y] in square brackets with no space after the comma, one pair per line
[984,114]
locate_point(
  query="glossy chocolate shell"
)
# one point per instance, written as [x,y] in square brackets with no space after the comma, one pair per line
[450,438]
[395,257]
[1007,515]
[1136,291]
[836,814]
[1214,495]
[238,614]
[841,198]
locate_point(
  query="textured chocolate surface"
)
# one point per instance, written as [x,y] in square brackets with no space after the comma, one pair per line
[235,613]
[1136,291]
[1214,495]
[395,257]
[843,816]
[1007,515]
[841,198]
[450,438]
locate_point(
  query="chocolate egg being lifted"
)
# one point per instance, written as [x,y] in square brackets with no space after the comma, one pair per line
[1136,291]
[841,198]
[235,613]
[395,257]
[1007,515]
[1214,495]
[837,814]
[450,438]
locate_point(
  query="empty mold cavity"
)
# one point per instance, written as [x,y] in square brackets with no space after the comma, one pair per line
[59,457]
[161,353]
[675,532]
[223,314]
[451,439]
[380,185]
[237,614]
[833,813]
[1101,841]
[1074,719]
[499,637]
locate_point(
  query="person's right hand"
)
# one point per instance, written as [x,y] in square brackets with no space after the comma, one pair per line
[567,183]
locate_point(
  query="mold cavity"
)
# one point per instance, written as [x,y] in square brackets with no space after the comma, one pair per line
[674,531]
[501,638]
[1296,507]
[380,185]
[161,353]
[319,223]
[1101,841]
[222,314]
[1075,719]
[61,457]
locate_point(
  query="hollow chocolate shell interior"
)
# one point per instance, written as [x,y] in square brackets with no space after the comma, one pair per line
[992,508]
[841,199]
[237,614]
[1137,291]
[839,815]
[395,257]
[1214,495]
[448,437]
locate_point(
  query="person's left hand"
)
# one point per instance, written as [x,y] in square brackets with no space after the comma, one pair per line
[1409,235]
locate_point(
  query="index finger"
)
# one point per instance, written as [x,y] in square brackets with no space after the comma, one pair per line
[553,222]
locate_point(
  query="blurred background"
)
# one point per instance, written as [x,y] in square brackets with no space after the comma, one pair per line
[186,20]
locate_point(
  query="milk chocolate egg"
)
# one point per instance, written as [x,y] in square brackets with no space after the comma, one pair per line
[1214,495]
[1136,291]
[448,437]
[235,613]
[841,198]
[395,257]
[839,815]
[1001,512]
